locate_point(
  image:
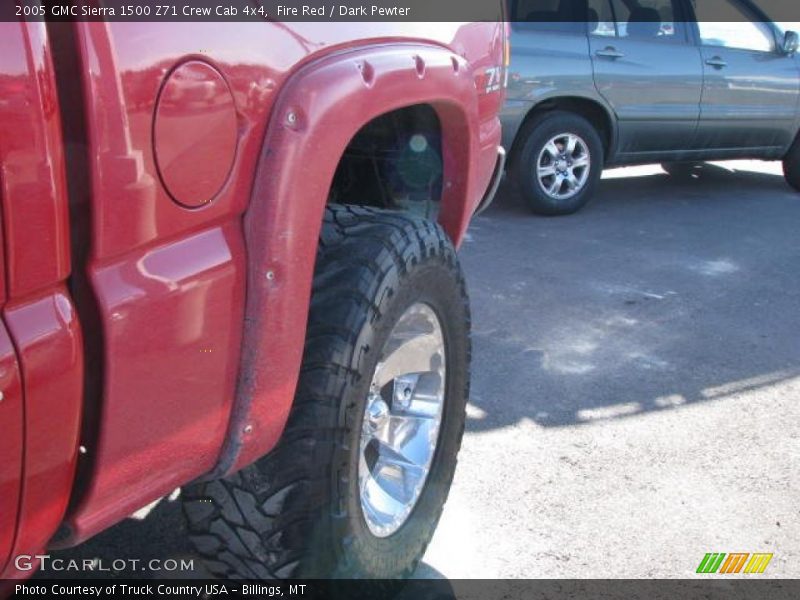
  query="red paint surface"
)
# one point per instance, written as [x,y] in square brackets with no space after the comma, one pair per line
[170,282]
[47,336]
[282,236]
[34,210]
[10,444]
[195,133]
[38,313]
[11,426]
[173,335]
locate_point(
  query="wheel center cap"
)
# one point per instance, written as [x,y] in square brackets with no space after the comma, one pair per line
[561,165]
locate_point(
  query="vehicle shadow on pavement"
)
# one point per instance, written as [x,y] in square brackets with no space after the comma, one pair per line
[625,185]
[154,534]
[661,293]
[658,295]
[159,534]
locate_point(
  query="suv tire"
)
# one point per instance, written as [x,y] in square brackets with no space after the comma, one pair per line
[791,165]
[553,179]
[682,170]
[299,512]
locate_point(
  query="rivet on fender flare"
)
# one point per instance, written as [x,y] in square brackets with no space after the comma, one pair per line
[420,65]
[367,73]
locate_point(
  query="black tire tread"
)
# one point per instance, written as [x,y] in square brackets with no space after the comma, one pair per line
[260,522]
[682,170]
[791,165]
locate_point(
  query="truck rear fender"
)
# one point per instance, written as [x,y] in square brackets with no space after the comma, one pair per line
[39,325]
[307,135]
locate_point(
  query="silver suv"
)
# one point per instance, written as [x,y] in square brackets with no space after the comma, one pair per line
[596,83]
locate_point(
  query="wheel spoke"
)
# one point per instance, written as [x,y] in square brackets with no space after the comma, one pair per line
[384,496]
[422,406]
[392,457]
[398,477]
[572,181]
[409,438]
[572,142]
[547,171]
[581,161]
[552,149]
[555,187]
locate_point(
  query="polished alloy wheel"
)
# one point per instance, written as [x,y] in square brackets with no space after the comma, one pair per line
[401,420]
[563,167]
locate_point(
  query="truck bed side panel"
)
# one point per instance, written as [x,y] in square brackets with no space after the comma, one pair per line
[39,312]
[171,280]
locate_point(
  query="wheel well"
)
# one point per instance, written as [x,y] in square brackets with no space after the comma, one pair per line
[394,161]
[591,110]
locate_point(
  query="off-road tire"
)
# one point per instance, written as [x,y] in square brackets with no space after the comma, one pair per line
[791,165]
[533,137]
[296,512]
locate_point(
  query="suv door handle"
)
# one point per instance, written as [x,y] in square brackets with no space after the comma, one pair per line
[610,52]
[716,62]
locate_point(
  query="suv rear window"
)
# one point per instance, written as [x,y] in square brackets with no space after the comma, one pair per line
[725,23]
[651,20]
[562,16]
[641,19]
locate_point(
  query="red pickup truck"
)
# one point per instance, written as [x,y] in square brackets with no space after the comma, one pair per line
[228,266]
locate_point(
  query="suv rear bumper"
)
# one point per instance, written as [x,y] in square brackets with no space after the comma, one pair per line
[494,182]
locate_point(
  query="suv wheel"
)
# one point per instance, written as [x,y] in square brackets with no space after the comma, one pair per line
[357,483]
[559,163]
[682,170]
[791,165]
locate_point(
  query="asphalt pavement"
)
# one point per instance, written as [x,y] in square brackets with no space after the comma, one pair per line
[636,387]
